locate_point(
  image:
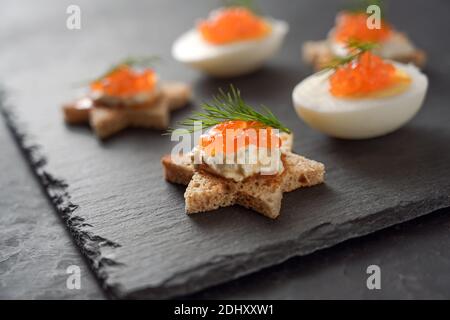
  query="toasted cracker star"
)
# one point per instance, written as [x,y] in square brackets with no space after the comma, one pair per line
[106,121]
[262,193]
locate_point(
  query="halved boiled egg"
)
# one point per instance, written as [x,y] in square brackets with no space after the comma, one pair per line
[232,41]
[365,98]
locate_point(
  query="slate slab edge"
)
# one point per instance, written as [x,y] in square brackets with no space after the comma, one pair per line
[56,190]
[212,273]
[219,271]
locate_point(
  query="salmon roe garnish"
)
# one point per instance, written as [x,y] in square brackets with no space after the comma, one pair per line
[369,73]
[353,26]
[124,82]
[232,25]
[218,138]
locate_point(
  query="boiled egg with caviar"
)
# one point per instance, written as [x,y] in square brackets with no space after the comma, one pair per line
[366,98]
[353,26]
[231,42]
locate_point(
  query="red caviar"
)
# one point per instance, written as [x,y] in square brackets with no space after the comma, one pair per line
[124,82]
[232,25]
[369,73]
[353,26]
[229,136]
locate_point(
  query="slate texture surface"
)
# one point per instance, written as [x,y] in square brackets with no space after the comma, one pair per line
[35,248]
[130,224]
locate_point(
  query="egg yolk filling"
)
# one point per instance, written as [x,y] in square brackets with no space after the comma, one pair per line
[233,25]
[353,26]
[368,76]
[239,149]
[125,83]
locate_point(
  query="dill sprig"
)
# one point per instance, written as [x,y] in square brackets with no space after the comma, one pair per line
[357,48]
[361,5]
[132,62]
[249,4]
[230,106]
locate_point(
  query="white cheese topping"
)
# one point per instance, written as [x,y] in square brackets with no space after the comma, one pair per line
[395,47]
[242,164]
[139,98]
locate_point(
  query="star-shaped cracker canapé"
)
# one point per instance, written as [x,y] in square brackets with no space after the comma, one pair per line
[127,97]
[211,185]
[353,25]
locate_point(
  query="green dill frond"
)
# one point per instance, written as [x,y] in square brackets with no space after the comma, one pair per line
[361,46]
[357,47]
[132,62]
[249,4]
[228,106]
[361,5]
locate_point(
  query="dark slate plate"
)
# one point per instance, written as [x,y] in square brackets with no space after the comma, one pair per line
[131,224]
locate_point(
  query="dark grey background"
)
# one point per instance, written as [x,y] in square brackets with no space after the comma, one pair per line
[35,249]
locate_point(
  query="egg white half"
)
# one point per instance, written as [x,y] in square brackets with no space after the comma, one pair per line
[230,59]
[358,118]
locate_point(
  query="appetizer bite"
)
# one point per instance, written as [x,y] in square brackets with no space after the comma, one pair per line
[232,41]
[361,96]
[130,94]
[245,157]
[352,25]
